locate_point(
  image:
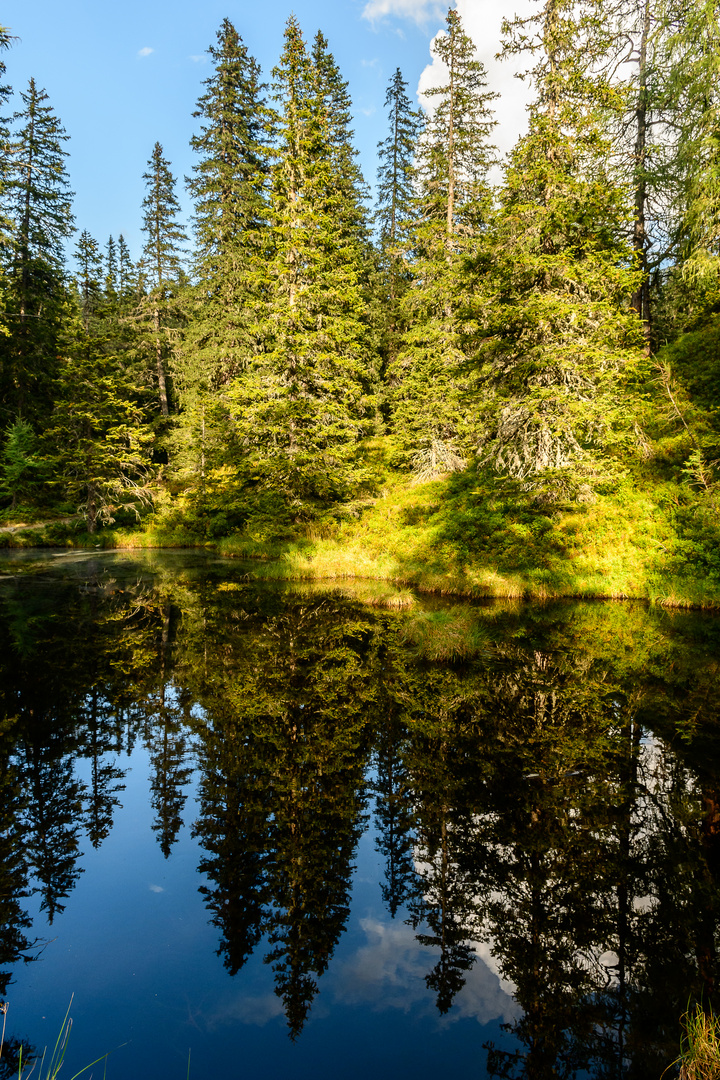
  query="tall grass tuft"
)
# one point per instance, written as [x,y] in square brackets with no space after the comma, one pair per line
[57,1057]
[699,1046]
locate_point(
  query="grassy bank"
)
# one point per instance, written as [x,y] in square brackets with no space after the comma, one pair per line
[464,536]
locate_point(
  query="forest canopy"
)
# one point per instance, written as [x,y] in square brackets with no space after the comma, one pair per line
[544,326]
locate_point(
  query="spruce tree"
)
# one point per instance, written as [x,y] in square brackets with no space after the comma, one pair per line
[229,189]
[38,201]
[303,405]
[395,204]
[126,271]
[97,441]
[653,105]
[111,268]
[395,201]
[5,223]
[694,56]
[20,466]
[225,310]
[429,392]
[557,335]
[89,277]
[163,254]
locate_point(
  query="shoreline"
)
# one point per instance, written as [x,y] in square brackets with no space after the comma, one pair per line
[300,559]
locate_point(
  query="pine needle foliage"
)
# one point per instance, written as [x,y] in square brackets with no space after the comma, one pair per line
[556,338]
[229,190]
[163,252]
[38,200]
[97,441]
[225,310]
[695,66]
[429,390]
[396,205]
[302,406]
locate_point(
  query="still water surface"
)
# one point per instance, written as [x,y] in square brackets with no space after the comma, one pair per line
[291,834]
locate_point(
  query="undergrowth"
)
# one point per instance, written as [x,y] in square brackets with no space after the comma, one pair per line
[472,535]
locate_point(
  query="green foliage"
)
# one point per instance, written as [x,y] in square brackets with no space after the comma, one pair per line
[556,337]
[395,195]
[164,237]
[303,403]
[38,199]
[395,208]
[97,439]
[695,66]
[224,311]
[232,239]
[164,256]
[430,391]
[501,335]
[20,472]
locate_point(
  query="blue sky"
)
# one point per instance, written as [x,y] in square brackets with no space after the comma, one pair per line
[122,76]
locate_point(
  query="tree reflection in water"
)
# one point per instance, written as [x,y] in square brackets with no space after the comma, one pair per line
[552,795]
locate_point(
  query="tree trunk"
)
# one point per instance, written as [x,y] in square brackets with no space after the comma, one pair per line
[641,297]
[92,507]
[451,158]
[162,384]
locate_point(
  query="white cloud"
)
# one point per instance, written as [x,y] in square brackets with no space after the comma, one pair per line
[156,888]
[481,20]
[145,51]
[199,59]
[257,1010]
[388,972]
[420,11]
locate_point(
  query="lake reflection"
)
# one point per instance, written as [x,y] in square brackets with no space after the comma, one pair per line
[462,839]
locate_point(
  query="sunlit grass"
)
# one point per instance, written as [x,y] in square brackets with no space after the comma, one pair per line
[445,635]
[699,1045]
[467,535]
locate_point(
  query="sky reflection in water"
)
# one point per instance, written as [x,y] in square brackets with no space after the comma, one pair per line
[542,817]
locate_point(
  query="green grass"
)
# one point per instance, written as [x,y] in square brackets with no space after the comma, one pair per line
[460,537]
[469,535]
[699,1046]
[48,1067]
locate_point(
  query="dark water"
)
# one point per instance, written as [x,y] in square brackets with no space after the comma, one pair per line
[294,835]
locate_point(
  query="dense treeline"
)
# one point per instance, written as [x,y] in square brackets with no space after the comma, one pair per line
[553,331]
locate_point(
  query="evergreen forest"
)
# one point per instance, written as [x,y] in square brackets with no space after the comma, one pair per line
[500,377]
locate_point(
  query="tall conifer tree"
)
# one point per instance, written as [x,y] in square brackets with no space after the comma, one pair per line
[111,267]
[5,224]
[89,277]
[395,200]
[226,307]
[126,271]
[97,439]
[454,155]
[163,253]
[229,188]
[39,203]
[304,406]
[694,50]
[557,329]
